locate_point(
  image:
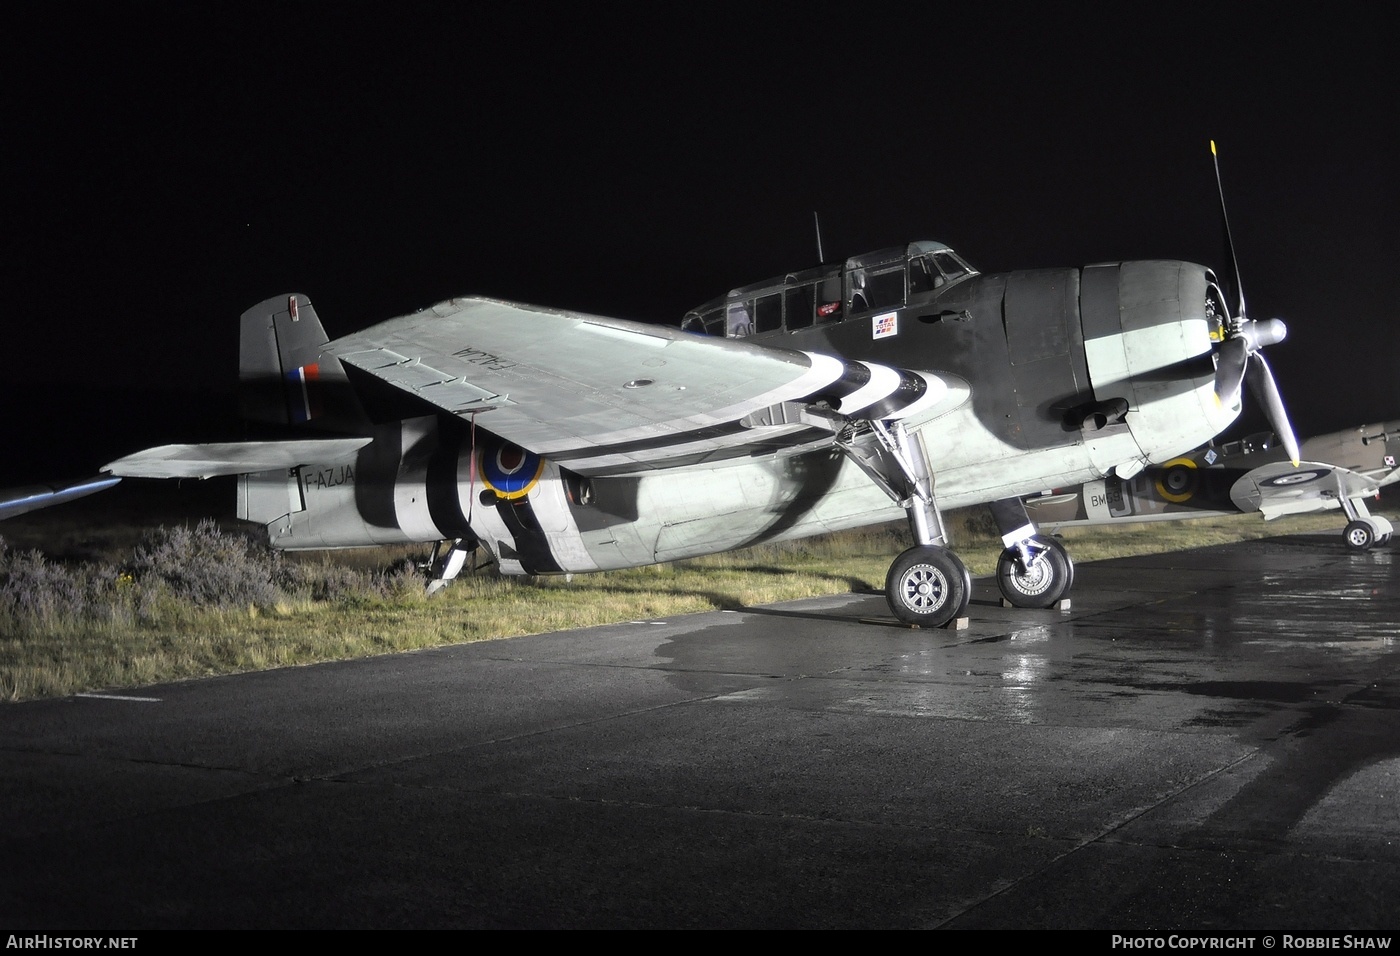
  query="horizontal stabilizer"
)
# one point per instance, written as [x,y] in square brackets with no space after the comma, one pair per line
[18,501]
[231,458]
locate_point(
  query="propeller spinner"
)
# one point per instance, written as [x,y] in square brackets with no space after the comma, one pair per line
[1239,357]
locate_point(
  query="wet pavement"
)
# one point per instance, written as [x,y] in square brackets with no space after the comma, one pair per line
[1206,741]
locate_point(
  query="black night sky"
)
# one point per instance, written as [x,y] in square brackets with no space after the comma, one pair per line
[169,165]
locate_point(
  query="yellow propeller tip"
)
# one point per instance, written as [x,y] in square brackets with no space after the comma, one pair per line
[1212,147]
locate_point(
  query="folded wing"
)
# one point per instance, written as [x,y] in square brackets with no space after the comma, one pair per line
[606,396]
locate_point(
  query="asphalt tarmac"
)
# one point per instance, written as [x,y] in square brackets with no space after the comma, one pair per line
[1205,742]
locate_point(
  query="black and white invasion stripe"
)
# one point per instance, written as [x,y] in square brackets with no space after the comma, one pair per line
[851,389]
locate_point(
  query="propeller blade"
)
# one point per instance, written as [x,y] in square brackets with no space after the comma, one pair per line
[1239,356]
[1229,239]
[1229,370]
[1261,383]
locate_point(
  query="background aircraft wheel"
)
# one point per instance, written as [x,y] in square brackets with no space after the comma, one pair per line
[1359,536]
[1383,539]
[1043,583]
[927,586]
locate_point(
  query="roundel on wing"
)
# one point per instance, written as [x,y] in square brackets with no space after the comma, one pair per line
[509,470]
[1301,476]
[1178,480]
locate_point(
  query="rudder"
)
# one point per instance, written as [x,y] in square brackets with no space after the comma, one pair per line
[283,376]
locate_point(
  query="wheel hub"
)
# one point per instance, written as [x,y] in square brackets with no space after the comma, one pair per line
[1035,578]
[924,587]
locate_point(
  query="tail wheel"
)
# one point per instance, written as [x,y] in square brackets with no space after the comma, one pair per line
[928,586]
[1359,536]
[1041,583]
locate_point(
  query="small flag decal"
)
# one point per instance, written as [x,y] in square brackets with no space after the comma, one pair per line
[303,398]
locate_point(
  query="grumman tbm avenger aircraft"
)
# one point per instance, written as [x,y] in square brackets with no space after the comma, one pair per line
[899,381]
[1339,470]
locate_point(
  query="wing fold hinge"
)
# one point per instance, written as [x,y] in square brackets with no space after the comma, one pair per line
[794,413]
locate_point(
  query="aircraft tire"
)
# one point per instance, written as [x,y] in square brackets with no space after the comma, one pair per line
[928,586]
[1383,539]
[1044,583]
[1359,536]
[1058,545]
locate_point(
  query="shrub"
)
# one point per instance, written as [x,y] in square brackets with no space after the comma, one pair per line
[208,567]
[34,589]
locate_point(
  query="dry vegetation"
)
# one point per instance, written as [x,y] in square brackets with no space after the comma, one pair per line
[190,601]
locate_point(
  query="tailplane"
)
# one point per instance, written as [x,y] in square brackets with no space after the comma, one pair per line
[284,377]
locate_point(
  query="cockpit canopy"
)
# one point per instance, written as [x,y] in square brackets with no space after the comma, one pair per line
[883,280]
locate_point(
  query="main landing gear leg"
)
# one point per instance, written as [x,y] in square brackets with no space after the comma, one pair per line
[927,585]
[1034,570]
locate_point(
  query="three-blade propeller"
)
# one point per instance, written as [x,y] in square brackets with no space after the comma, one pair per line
[1239,358]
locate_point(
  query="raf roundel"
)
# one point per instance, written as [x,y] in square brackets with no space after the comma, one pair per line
[1178,480]
[1302,476]
[508,470]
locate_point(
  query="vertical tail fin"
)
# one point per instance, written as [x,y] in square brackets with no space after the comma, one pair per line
[284,378]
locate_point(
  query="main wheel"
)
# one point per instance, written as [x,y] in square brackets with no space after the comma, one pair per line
[1359,535]
[927,586]
[1044,582]
[1058,545]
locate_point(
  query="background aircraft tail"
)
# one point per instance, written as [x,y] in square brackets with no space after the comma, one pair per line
[284,377]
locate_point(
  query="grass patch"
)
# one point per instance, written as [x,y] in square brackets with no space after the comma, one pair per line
[195,602]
